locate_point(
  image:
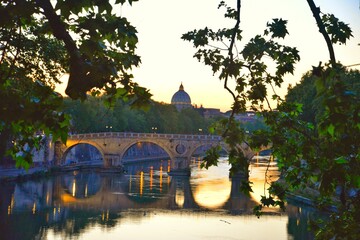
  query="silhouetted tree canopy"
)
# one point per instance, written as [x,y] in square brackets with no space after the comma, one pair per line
[315,135]
[40,40]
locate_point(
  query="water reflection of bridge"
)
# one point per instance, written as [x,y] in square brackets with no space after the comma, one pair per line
[147,186]
[154,189]
[113,195]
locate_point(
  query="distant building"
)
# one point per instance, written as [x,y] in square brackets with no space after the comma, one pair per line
[212,112]
[181,99]
[245,117]
[208,112]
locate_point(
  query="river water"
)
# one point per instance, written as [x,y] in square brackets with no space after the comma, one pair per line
[146,203]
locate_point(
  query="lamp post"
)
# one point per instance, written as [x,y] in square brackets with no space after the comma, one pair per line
[200,131]
[154,129]
[108,128]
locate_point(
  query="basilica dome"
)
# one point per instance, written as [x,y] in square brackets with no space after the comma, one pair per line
[181,99]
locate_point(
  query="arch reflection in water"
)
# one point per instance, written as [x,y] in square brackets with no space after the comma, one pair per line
[81,184]
[151,187]
[148,182]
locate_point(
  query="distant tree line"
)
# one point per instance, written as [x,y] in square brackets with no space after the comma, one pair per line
[94,116]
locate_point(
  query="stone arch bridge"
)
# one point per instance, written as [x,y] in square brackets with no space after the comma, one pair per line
[113,146]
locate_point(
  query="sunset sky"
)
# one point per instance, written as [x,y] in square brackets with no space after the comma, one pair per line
[167,60]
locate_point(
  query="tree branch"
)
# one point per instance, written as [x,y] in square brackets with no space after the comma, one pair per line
[57,26]
[77,84]
[232,45]
[316,13]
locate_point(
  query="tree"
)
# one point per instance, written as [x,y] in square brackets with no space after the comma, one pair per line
[93,116]
[324,154]
[247,69]
[305,93]
[40,42]
[29,65]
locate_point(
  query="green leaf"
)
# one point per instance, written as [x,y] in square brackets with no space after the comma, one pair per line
[211,158]
[338,30]
[211,130]
[299,107]
[63,136]
[331,129]
[341,160]
[257,210]
[355,179]
[66,121]
[278,28]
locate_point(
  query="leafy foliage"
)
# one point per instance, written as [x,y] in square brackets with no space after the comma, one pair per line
[320,151]
[39,43]
[338,31]
[305,93]
[248,70]
[30,65]
[323,155]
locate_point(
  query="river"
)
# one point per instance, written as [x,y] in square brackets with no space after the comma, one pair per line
[146,203]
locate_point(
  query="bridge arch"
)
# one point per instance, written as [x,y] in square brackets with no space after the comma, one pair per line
[70,144]
[130,144]
[245,148]
[195,147]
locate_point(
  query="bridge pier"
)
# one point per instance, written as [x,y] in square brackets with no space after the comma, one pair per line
[58,153]
[180,185]
[238,201]
[111,160]
[240,175]
[186,172]
[180,166]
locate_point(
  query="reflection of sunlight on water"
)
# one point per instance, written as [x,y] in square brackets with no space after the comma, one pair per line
[211,187]
[213,195]
[261,179]
[180,198]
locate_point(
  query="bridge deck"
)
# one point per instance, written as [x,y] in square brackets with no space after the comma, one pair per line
[146,135]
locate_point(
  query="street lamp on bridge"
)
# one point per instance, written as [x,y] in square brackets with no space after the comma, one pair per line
[154,129]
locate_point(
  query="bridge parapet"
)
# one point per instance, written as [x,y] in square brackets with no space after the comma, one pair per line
[145,135]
